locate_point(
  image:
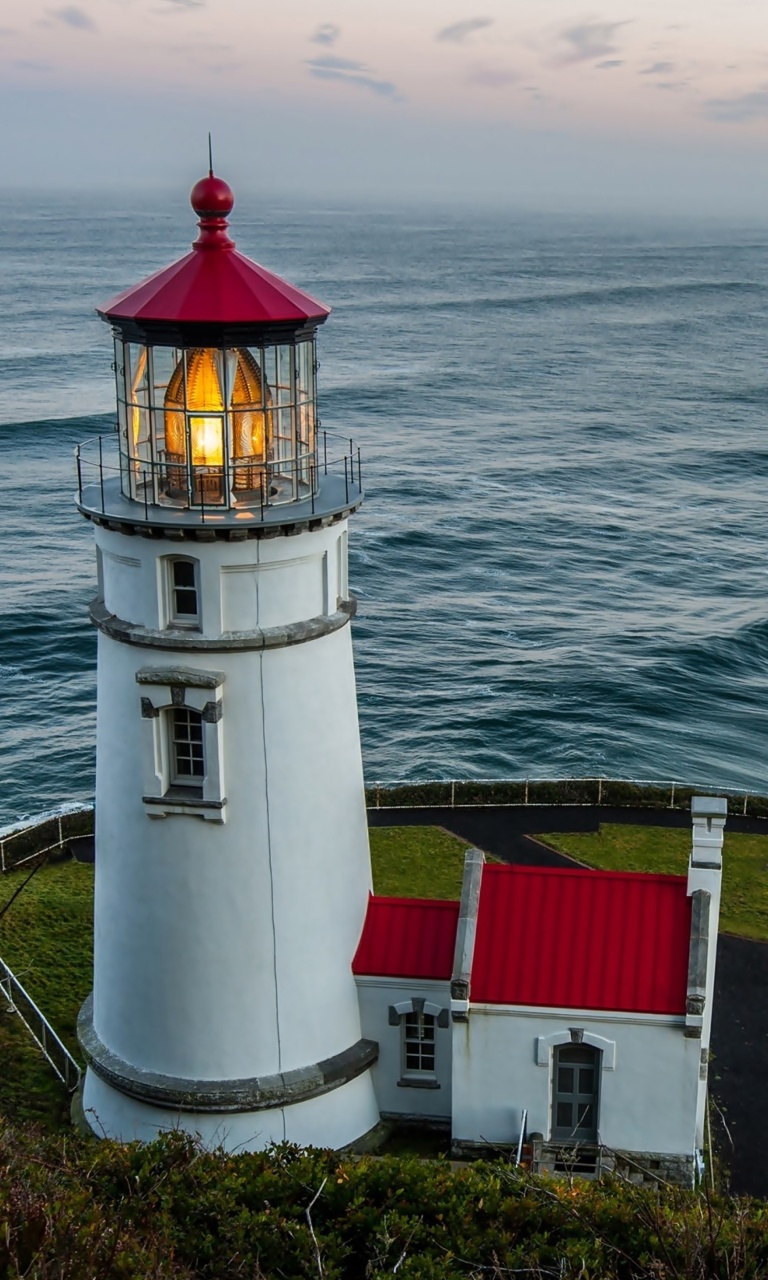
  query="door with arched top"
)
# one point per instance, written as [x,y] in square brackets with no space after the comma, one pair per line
[575,1093]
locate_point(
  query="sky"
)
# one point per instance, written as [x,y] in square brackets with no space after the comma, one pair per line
[660,105]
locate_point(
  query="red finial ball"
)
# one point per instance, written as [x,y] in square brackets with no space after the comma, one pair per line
[213,197]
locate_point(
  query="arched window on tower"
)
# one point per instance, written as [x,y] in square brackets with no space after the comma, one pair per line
[182,592]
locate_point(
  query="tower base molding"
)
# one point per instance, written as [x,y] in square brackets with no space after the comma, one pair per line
[255,1093]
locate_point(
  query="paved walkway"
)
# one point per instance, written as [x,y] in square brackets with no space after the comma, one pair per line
[739,1071]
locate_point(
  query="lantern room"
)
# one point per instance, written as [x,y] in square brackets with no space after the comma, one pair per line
[216,425]
[215,370]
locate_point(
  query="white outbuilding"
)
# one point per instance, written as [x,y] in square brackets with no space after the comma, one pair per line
[562,1013]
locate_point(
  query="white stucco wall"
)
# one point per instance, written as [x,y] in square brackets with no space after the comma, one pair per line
[243,585]
[328,1121]
[395,1097]
[647,1102]
[223,950]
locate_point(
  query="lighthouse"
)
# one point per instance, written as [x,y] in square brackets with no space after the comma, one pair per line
[232,860]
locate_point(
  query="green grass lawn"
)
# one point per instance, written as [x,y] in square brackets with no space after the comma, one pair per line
[417,862]
[46,937]
[616,847]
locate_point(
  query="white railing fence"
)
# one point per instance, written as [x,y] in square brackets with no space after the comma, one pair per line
[461,793]
[54,1051]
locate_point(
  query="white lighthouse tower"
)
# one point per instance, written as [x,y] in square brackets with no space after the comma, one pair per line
[232,862]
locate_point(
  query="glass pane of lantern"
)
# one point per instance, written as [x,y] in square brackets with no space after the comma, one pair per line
[283,430]
[284,380]
[256,358]
[136,373]
[140,431]
[305,369]
[120,369]
[269,370]
[164,361]
[306,426]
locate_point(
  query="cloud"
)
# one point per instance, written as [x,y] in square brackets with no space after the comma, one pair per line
[27,64]
[329,62]
[746,106]
[587,41]
[348,71]
[492,77]
[326,33]
[460,32]
[657,69]
[71,16]
[609,64]
[176,6]
[671,86]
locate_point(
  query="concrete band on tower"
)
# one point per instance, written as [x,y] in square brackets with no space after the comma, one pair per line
[262,638]
[281,1089]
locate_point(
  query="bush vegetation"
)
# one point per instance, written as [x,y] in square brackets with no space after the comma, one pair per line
[70,1209]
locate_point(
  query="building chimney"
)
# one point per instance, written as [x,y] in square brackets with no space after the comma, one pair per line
[708,815]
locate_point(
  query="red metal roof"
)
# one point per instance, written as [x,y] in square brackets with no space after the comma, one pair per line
[407,938]
[214,284]
[578,939]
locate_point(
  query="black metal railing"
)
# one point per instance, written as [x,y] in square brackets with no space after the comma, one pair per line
[171,482]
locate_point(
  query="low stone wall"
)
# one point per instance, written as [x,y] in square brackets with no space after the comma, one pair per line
[616,794]
[641,1167]
[21,848]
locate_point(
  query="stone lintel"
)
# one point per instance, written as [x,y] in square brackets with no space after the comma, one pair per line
[255,1093]
[185,677]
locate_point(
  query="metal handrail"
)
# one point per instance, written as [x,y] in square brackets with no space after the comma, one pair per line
[521,1140]
[50,1045]
[174,483]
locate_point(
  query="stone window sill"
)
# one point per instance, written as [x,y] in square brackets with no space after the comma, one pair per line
[413,1082]
[176,801]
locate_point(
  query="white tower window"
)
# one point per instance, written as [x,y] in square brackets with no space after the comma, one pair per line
[187,752]
[183,759]
[183,592]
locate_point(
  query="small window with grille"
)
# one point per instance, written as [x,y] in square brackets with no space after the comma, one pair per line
[184,605]
[187,757]
[418,1040]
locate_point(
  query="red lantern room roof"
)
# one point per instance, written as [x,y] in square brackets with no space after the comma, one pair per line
[213,286]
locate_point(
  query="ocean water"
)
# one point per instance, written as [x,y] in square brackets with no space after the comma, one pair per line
[562,559]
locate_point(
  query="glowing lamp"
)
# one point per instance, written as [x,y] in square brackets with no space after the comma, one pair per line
[208,390]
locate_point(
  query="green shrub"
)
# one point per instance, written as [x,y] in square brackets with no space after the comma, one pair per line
[69,1209]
